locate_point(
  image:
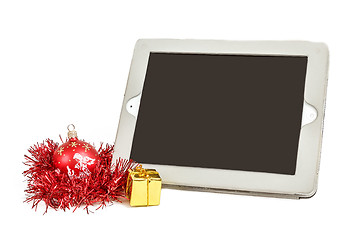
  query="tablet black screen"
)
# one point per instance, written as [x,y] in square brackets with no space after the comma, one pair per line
[240,112]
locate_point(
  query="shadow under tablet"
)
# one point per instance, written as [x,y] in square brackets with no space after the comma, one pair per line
[239,112]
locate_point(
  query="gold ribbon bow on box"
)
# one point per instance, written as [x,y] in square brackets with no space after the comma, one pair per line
[143,187]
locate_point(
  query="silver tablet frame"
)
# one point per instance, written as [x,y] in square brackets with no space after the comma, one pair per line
[301,185]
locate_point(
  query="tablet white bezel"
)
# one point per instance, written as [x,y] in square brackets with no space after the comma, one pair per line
[303,183]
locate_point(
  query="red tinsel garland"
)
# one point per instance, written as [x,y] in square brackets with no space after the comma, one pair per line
[106,184]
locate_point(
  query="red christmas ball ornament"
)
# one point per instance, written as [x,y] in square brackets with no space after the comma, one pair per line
[75,157]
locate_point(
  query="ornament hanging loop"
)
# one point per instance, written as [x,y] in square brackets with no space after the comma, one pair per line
[72,133]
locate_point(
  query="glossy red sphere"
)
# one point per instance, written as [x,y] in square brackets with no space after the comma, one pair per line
[76,158]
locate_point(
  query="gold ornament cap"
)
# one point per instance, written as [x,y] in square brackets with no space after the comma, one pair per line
[71,131]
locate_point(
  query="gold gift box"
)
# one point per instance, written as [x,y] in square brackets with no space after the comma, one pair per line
[143,187]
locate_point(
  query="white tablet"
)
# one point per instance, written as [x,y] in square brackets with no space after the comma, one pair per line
[232,116]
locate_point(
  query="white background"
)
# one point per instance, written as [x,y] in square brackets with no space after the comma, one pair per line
[67,62]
